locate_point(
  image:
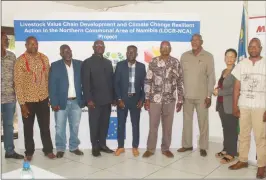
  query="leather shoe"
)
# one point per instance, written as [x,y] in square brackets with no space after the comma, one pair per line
[183,149]
[168,154]
[238,165]
[203,152]
[106,149]
[60,154]
[14,156]
[77,152]
[96,152]
[147,154]
[50,155]
[261,173]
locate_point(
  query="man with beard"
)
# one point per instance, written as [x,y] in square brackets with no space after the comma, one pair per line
[31,85]
[97,84]
[66,100]
[249,104]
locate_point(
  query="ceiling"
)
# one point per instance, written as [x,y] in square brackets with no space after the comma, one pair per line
[98,4]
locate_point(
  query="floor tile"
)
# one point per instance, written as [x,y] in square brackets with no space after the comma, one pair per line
[73,170]
[46,163]
[168,173]
[197,165]
[10,166]
[223,173]
[104,174]
[134,169]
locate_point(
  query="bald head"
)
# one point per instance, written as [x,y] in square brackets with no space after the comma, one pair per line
[4,41]
[254,48]
[98,47]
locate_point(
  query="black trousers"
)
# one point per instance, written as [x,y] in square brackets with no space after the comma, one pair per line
[99,118]
[229,124]
[42,111]
[130,105]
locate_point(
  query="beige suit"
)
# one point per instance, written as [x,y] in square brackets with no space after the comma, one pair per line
[199,81]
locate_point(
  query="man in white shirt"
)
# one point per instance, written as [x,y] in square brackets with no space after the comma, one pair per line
[249,103]
[66,100]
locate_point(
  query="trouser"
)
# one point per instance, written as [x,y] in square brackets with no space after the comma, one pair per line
[252,119]
[130,105]
[73,114]
[8,111]
[230,134]
[99,118]
[203,122]
[42,111]
[156,112]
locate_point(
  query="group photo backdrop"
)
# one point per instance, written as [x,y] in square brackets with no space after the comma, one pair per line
[117,30]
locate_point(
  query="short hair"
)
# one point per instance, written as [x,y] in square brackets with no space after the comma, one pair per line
[231,50]
[200,36]
[63,46]
[132,46]
[256,39]
[31,37]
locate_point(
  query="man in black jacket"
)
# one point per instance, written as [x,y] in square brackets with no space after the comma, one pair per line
[97,83]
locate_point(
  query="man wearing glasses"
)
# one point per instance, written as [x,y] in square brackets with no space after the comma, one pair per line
[199,80]
[164,81]
[97,84]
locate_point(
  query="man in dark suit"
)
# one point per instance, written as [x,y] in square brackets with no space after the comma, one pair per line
[97,84]
[129,90]
[66,100]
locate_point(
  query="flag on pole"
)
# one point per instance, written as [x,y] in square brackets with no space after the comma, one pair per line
[242,53]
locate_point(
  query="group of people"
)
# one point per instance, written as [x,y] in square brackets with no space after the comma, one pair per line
[166,87]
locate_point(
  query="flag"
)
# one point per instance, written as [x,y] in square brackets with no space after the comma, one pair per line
[112,131]
[242,37]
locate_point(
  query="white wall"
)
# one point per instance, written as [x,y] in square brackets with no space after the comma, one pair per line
[220,27]
[11,9]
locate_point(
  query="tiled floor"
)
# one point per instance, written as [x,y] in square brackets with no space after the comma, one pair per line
[183,166]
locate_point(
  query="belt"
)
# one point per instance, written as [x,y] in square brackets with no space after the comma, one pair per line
[71,98]
[131,94]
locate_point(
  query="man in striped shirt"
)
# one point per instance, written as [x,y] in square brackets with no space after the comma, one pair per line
[249,103]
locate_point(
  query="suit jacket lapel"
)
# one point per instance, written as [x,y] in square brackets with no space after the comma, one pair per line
[126,72]
[64,68]
[136,72]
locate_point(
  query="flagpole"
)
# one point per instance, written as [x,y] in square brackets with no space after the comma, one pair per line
[245,4]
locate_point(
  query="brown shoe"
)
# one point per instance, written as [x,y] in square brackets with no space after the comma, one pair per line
[77,152]
[135,152]
[51,155]
[183,149]
[168,154]
[261,173]
[119,151]
[28,158]
[203,153]
[147,154]
[238,165]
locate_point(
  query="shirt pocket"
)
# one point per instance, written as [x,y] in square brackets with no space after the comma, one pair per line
[202,66]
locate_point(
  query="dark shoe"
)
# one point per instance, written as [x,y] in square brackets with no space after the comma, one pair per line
[60,154]
[183,149]
[147,154]
[261,173]
[29,157]
[238,165]
[106,149]
[14,156]
[203,153]
[77,152]
[96,152]
[50,155]
[168,154]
